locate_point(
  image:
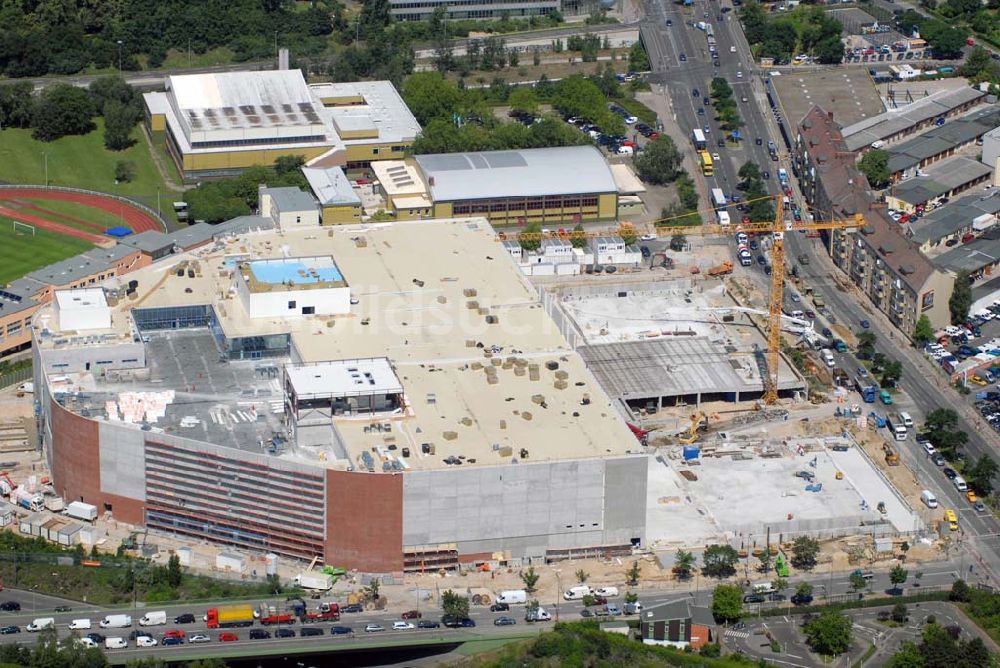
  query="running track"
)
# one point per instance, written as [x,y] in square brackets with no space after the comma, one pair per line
[135,218]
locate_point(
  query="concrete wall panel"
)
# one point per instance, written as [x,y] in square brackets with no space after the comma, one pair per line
[123,464]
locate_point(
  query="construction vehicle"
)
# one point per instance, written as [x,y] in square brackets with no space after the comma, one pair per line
[876,420]
[269,615]
[723,269]
[699,423]
[226,616]
[27,500]
[639,433]
[891,457]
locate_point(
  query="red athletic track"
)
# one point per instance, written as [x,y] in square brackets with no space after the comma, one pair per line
[55,216]
[135,218]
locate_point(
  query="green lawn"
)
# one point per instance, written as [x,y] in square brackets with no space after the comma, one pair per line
[78,162]
[100,217]
[179,58]
[21,253]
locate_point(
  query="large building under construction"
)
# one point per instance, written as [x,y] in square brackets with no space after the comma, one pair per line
[388,398]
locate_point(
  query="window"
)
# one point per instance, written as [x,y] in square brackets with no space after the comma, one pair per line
[60,366]
[291,304]
[130,360]
[298,219]
[374,151]
[308,310]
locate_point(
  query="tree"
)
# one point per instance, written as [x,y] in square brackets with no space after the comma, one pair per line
[287,164]
[531,610]
[866,345]
[638,61]
[174,574]
[632,575]
[529,240]
[941,427]
[961,298]
[660,163]
[631,597]
[980,475]
[829,51]
[17,104]
[437,27]
[114,88]
[898,576]
[805,551]
[899,613]
[857,581]
[62,110]
[124,171]
[119,120]
[960,591]
[582,576]
[524,99]
[907,656]
[780,584]
[371,591]
[938,647]
[750,172]
[974,653]
[804,589]
[719,561]
[875,166]
[892,371]
[683,564]
[727,603]
[947,42]
[454,605]
[578,237]
[923,333]
[529,578]
[829,633]
[429,95]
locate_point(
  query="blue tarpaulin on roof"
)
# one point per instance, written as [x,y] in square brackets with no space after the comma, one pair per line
[118,231]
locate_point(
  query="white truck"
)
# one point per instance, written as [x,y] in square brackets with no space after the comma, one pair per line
[155,618]
[82,511]
[39,624]
[723,217]
[116,622]
[718,198]
[539,615]
[79,624]
[512,596]
[577,592]
[54,503]
[320,581]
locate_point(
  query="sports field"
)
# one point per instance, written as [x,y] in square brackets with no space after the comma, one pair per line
[72,214]
[21,253]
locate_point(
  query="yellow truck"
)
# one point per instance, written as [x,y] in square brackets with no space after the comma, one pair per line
[230,615]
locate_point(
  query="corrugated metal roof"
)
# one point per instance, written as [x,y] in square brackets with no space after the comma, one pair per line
[526,173]
[331,186]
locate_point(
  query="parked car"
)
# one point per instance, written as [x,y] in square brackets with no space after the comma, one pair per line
[7,630]
[411,614]
[801,599]
[504,621]
[374,628]
[62,608]
[10,606]
[428,624]
[500,607]
[402,626]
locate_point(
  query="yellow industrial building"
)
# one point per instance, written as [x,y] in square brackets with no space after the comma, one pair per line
[562,185]
[218,124]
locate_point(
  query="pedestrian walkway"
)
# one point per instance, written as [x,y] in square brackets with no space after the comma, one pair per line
[733,633]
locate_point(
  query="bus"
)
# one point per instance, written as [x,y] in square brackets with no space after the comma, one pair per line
[700,142]
[706,163]
[896,426]
[718,198]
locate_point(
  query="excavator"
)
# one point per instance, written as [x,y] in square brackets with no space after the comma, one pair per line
[699,423]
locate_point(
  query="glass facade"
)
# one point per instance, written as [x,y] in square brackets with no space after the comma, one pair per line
[513,209]
[203,315]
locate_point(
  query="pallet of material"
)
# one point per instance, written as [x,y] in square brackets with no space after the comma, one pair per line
[688,475]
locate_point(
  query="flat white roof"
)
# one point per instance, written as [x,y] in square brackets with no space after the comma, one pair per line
[331,186]
[81,299]
[383,110]
[342,378]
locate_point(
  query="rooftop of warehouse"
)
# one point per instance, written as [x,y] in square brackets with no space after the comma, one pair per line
[943,138]
[366,106]
[954,216]
[973,256]
[940,179]
[535,172]
[424,289]
[878,128]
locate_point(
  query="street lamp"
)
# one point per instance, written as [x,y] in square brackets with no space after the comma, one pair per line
[119,57]
[558,592]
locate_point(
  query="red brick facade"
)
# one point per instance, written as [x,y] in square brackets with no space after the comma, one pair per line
[364,521]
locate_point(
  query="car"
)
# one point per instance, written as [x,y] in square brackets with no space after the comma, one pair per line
[717,63]
[341,630]
[669,23]
[761,260]
[766,174]
[284,633]
[701,111]
[10,606]
[754,598]
[644,250]
[186,618]
[135,635]
[96,637]
[146,641]
[979,507]
[682,58]
[259,634]
[720,142]
[865,324]
[199,638]
[402,626]
[586,612]
[311,631]
[950,473]
[715,156]
[886,398]
[174,633]
[739,75]
[929,448]
[166,642]
[62,608]
[228,636]
[776,597]
[500,607]
[695,93]
[826,332]
[707,130]
[411,614]
[352,607]
[87,642]
[374,628]
[795,298]
[862,372]
[971,496]
[810,314]
[614,611]
[758,141]
[428,624]
[7,630]
[504,621]
[938,460]
[801,599]
[753,244]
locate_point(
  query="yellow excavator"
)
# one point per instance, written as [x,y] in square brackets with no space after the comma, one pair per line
[699,423]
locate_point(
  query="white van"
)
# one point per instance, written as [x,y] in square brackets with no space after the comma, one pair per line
[39,624]
[578,592]
[607,592]
[115,642]
[907,420]
[960,484]
[764,588]
[79,624]
[828,358]
[927,496]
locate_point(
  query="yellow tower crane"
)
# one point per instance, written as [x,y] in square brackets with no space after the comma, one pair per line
[777,228]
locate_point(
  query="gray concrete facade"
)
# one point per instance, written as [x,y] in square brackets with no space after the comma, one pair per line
[94,358]
[527,508]
[123,460]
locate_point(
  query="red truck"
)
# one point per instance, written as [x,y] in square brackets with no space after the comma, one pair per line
[327,612]
[278,618]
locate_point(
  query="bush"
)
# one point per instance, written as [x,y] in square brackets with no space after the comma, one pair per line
[124,171]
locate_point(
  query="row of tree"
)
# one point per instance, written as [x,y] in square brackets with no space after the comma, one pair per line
[223,199]
[946,40]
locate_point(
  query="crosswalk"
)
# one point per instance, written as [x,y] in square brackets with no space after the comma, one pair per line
[733,633]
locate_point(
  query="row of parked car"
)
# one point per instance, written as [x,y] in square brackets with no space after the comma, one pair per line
[618,144]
